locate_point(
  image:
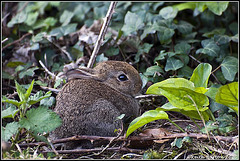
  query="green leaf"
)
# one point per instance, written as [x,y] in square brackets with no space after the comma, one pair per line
[182,48]
[190,113]
[132,23]
[229,67]
[32,18]
[209,47]
[165,34]
[39,37]
[184,27]
[28,72]
[173,64]
[228,95]
[146,117]
[168,12]
[19,18]
[177,142]
[21,91]
[10,112]
[212,91]
[45,23]
[66,17]
[222,39]
[217,7]
[180,93]
[141,50]
[29,90]
[40,120]
[186,5]
[64,30]
[218,31]
[47,102]
[151,71]
[14,102]
[112,51]
[201,75]
[10,130]
[101,58]
[38,97]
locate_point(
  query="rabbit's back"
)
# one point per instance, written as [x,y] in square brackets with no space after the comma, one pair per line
[89,107]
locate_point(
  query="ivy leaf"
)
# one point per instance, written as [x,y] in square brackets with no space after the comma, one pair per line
[229,67]
[168,12]
[66,17]
[217,7]
[64,30]
[173,64]
[165,34]
[40,120]
[228,96]
[141,50]
[146,117]
[112,51]
[19,18]
[201,75]
[209,47]
[184,27]
[218,31]
[132,23]
[28,72]
[32,18]
[151,71]
[182,48]
[222,39]
[10,130]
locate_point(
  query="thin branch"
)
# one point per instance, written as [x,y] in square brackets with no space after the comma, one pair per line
[76,151]
[102,33]
[133,138]
[50,73]
[16,41]
[64,51]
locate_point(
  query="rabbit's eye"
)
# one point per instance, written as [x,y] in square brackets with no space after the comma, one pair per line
[122,77]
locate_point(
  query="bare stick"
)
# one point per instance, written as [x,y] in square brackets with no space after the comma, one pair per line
[133,138]
[102,33]
[45,68]
[61,49]
[16,41]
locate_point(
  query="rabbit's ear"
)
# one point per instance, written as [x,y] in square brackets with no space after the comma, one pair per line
[81,73]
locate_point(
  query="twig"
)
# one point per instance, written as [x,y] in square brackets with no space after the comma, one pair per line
[111,141]
[76,151]
[102,33]
[64,51]
[50,73]
[3,41]
[16,41]
[50,89]
[133,138]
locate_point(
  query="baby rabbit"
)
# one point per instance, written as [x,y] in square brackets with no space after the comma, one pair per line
[93,98]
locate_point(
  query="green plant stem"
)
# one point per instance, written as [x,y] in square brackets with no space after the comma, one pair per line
[195,123]
[176,125]
[211,114]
